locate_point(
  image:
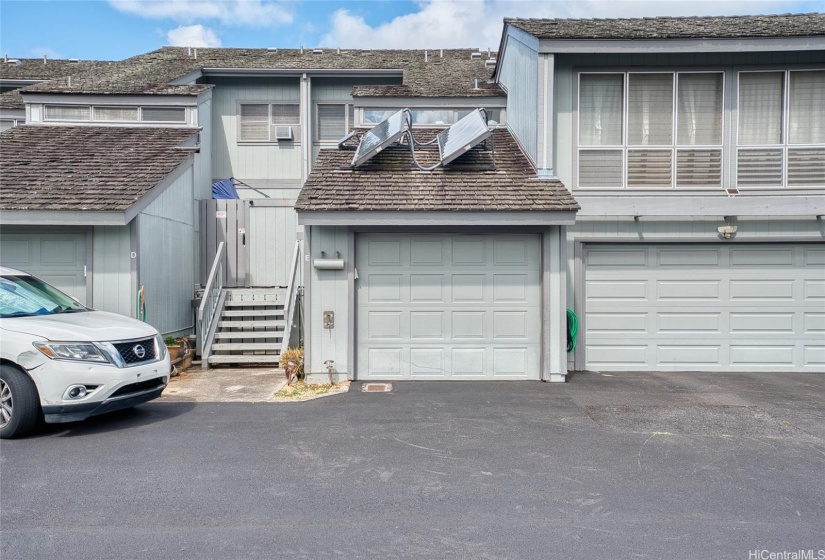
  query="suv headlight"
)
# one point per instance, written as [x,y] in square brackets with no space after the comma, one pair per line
[74,351]
[160,347]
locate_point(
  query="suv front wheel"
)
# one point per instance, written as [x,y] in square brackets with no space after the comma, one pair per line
[19,403]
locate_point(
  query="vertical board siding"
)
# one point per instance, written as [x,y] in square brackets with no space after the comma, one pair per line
[112,274]
[272,235]
[563,106]
[166,253]
[203,163]
[329,293]
[251,161]
[519,75]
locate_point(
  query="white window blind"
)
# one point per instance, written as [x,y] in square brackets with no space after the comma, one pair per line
[649,168]
[806,119]
[283,113]
[699,110]
[601,168]
[760,108]
[600,109]
[68,112]
[254,122]
[650,110]
[332,122]
[117,114]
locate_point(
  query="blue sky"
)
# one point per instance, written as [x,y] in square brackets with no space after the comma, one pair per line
[116,29]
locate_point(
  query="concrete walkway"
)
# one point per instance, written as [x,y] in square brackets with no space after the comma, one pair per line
[225,385]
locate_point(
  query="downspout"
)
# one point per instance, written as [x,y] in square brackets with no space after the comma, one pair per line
[306,122]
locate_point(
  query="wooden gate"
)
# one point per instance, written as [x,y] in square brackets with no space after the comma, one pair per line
[227,221]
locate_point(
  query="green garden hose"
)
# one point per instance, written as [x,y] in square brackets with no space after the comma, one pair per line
[572,330]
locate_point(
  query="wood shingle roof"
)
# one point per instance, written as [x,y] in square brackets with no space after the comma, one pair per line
[85,168]
[475,182]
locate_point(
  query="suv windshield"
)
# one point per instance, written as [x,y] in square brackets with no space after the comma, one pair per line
[23,296]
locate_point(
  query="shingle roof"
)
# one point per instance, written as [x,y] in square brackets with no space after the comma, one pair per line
[454,74]
[733,27]
[470,183]
[36,69]
[11,100]
[85,168]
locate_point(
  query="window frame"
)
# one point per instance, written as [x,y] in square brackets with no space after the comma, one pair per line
[296,127]
[736,146]
[502,111]
[674,147]
[46,111]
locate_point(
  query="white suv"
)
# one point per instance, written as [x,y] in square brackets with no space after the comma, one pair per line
[65,362]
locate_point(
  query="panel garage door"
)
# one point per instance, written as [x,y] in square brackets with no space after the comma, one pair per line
[448,306]
[57,258]
[711,307]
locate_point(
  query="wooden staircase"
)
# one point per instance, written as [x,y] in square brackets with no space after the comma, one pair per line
[250,328]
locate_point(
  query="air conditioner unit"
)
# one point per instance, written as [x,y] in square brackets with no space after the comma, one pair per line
[283,133]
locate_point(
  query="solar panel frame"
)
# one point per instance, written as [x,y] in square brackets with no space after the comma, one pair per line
[468,132]
[379,137]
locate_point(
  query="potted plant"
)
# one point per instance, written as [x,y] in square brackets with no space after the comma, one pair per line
[173,347]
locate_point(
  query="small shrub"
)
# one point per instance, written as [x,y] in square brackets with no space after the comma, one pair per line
[170,341]
[292,362]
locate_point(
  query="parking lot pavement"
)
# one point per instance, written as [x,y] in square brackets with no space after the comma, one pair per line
[222,384]
[622,466]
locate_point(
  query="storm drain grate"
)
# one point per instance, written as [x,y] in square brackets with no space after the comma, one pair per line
[376,387]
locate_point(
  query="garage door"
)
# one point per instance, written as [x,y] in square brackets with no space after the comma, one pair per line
[707,307]
[448,307]
[57,258]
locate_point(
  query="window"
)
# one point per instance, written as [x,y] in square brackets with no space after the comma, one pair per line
[118,114]
[781,129]
[259,122]
[68,112]
[656,130]
[431,117]
[334,121]
[163,114]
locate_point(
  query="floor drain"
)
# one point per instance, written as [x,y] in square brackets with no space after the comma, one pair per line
[376,387]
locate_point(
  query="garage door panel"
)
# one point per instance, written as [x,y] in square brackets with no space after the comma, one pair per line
[427,288]
[454,307]
[762,308]
[58,252]
[815,356]
[624,258]
[18,253]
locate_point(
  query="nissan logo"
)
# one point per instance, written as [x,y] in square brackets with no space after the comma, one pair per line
[139,351]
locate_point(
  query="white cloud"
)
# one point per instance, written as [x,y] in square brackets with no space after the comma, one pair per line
[255,13]
[478,23]
[48,52]
[193,36]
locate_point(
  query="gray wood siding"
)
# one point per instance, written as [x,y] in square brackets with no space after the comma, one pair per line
[330,292]
[166,253]
[203,164]
[519,75]
[249,162]
[273,232]
[112,274]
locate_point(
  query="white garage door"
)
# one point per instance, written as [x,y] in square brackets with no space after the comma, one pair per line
[57,258]
[448,306]
[670,307]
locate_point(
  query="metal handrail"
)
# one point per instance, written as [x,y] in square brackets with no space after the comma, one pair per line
[211,294]
[291,295]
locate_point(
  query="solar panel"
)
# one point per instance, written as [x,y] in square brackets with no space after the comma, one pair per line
[379,137]
[463,135]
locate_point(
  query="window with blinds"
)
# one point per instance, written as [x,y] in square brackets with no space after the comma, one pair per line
[666,128]
[332,122]
[116,114]
[68,112]
[781,129]
[265,122]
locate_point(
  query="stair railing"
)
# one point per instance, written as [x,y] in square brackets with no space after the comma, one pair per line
[291,296]
[210,306]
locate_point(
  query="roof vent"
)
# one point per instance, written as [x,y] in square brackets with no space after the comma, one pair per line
[475,55]
[272,49]
[426,54]
[490,62]
[317,51]
[45,59]
[74,60]
[12,61]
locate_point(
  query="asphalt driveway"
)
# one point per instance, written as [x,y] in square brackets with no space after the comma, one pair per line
[622,466]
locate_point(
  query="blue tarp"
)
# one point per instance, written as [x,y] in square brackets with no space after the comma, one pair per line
[224,190]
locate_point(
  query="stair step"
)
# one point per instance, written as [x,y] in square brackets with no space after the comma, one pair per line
[254,313]
[258,303]
[246,346]
[250,324]
[243,359]
[251,334]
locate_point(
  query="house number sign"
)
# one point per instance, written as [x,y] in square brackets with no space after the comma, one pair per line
[220,214]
